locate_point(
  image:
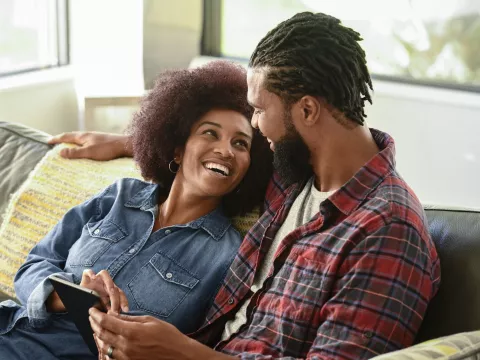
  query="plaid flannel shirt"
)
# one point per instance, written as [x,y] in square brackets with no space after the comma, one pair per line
[352,283]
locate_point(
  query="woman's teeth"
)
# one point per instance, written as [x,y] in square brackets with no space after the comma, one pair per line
[225,171]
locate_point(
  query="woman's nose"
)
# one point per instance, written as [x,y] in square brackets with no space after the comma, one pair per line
[224,150]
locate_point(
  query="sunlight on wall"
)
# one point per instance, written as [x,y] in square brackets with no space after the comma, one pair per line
[106,45]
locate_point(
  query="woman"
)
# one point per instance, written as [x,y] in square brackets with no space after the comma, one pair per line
[167,244]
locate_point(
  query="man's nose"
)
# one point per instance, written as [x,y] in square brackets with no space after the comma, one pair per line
[254,121]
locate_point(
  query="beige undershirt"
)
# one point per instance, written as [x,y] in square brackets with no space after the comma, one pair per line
[305,207]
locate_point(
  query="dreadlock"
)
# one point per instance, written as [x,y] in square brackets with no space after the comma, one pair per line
[313,54]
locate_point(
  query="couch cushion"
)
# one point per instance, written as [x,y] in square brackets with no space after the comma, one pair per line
[21,148]
[456,233]
[465,346]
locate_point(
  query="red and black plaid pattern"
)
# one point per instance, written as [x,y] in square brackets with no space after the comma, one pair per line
[352,283]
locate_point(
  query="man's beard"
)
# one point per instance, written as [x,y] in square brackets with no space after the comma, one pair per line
[291,157]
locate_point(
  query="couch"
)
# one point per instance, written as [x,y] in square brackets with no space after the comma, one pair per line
[455,231]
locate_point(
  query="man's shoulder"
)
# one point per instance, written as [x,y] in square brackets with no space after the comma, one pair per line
[398,204]
[277,190]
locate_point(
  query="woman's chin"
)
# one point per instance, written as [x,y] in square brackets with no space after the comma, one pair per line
[214,190]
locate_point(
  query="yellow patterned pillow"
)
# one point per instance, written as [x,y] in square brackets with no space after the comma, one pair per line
[52,188]
[461,346]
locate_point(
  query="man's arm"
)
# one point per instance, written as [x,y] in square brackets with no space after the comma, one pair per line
[94,145]
[381,295]
[377,306]
[379,298]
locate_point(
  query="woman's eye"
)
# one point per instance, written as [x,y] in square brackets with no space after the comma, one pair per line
[210,132]
[242,143]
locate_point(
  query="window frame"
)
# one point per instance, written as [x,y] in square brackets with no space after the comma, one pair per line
[211,46]
[62,37]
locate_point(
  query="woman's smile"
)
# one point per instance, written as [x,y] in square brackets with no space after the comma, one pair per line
[218,169]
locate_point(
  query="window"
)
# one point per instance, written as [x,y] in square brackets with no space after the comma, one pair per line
[33,35]
[426,41]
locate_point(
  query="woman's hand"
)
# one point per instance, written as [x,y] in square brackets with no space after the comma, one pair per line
[94,145]
[54,304]
[113,298]
[145,337]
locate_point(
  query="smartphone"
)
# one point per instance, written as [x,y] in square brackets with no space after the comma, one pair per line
[78,300]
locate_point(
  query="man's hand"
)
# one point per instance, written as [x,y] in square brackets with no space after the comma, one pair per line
[145,337]
[94,145]
[113,298]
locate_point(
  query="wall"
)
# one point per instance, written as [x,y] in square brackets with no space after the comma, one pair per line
[171,35]
[106,45]
[45,100]
[111,42]
[437,139]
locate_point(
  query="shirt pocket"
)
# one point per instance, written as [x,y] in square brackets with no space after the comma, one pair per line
[161,285]
[302,282]
[97,238]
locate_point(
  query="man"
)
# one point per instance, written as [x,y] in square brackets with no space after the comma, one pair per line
[341,265]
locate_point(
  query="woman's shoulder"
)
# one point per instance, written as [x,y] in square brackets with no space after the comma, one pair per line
[127,189]
[232,236]
[129,185]
[134,183]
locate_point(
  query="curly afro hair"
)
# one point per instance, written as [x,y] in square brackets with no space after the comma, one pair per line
[178,99]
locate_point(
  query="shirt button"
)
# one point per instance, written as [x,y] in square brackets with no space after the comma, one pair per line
[168,231]
[131,251]
[231,301]
[368,334]
[96,232]
[169,275]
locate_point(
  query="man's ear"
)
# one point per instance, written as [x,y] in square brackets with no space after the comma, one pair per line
[310,108]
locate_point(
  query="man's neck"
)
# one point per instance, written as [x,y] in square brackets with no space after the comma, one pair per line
[340,155]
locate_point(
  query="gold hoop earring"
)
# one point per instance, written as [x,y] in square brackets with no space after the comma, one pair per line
[170,166]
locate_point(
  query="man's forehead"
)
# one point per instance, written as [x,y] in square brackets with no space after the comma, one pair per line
[255,77]
[255,80]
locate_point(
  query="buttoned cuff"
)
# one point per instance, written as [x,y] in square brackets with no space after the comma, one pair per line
[36,309]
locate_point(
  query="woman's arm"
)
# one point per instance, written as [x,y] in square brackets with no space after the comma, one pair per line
[94,145]
[48,257]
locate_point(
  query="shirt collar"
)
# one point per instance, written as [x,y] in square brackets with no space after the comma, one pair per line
[145,199]
[214,223]
[352,194]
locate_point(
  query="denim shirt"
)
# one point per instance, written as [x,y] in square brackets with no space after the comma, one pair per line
[172,274]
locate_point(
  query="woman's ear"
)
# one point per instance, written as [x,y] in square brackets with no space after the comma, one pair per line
[178,155]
